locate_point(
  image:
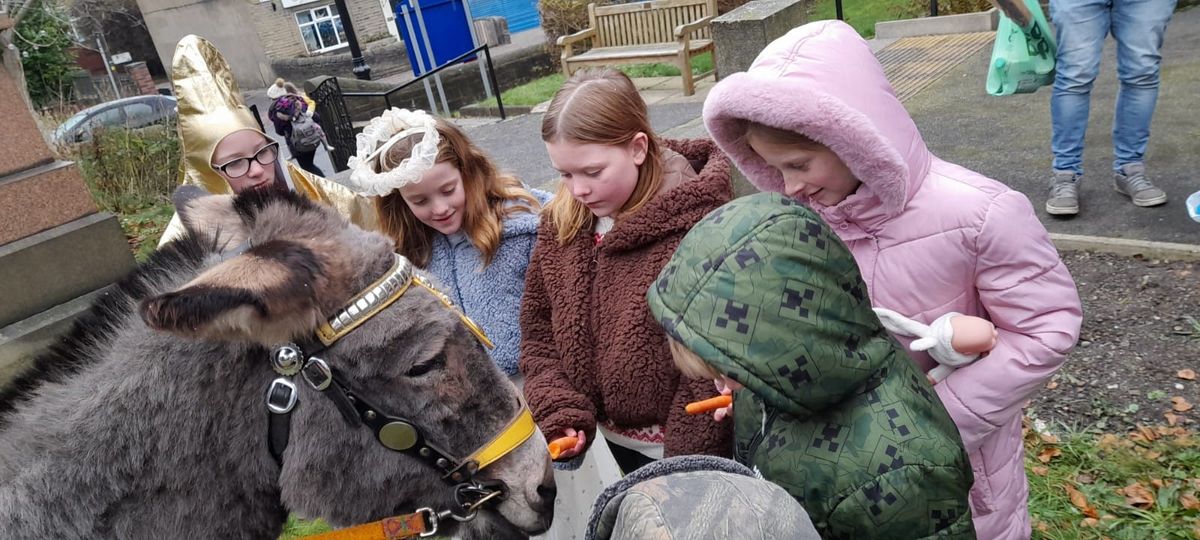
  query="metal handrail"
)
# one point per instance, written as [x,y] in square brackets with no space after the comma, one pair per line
[387,95]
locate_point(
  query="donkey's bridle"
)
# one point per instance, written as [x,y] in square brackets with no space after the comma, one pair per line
[393,432]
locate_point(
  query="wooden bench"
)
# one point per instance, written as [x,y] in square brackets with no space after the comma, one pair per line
[644,32]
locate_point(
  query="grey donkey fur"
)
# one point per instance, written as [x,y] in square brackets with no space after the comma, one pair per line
[155,426]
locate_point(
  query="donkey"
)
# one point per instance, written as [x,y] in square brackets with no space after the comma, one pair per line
[149,420]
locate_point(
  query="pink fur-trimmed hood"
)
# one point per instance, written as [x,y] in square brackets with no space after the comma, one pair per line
[822,80]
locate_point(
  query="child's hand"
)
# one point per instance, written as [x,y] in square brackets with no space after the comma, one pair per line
[581,441]
[725,390]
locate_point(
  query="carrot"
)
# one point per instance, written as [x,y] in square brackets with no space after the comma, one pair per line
[709,405]
[562,444]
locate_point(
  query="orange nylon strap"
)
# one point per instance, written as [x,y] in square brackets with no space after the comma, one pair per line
[393,528]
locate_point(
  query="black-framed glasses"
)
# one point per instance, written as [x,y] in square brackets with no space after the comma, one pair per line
[238,167]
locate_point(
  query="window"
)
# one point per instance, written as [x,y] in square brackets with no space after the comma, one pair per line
[110,117]
[321,28]
[140,114]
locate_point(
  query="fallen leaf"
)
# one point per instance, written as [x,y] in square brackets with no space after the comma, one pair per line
[1152,455]
[1049,438]
[1041,470]
[1083,478]
[1148,433]
[1090,522]
[1137,495]
[1172,418]
[1186,374]
[1080,501]
[1048,454]
[1189,501]
[1051,385]
[1042,526]
[1180,404]
[1108,440]
[1157,482]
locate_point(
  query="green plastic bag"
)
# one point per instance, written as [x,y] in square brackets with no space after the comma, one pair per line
[1023,56]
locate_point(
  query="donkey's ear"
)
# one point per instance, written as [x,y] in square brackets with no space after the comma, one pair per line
[210,216]
[269,294]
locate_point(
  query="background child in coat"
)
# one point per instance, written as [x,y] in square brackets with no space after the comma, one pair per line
[450,211]
[591,356]
[763,294]
[930,237]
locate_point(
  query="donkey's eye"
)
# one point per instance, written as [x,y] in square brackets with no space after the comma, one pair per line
[436,362]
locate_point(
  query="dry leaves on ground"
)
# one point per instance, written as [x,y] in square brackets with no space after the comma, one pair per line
[1186,374]
[1048,454]
[1180,404]
[1079,500]
[1137,495]
[1040,470]
[1189,501]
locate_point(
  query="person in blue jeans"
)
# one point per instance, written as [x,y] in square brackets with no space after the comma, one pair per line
[1080,28]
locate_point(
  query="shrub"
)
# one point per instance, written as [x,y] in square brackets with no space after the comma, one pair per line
[132,174]
[562,17]
[44,42]
[129,170]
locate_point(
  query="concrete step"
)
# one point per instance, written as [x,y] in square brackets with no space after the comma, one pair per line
[59,264]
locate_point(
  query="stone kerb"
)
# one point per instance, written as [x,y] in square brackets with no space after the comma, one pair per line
[742,33]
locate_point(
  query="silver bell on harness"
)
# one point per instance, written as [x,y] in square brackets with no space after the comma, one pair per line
[287,359]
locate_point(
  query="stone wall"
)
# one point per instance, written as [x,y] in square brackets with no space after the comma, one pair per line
[744,32]
[385,57]
[462,84]
[226,23]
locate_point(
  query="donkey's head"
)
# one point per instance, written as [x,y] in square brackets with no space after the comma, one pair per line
[411,382]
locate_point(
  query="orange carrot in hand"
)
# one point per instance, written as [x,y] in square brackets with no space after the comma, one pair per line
[709,405]
[562,444]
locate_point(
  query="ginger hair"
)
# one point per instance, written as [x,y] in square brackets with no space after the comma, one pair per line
[600,106]
[490,197]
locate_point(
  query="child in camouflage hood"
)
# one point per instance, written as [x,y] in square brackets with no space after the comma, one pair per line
[763,293]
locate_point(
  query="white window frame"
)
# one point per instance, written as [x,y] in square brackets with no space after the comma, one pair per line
[334,17]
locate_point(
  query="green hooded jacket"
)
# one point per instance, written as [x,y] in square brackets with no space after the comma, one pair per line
[834,411]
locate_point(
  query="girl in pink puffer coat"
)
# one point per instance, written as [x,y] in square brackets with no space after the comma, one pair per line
[815,119]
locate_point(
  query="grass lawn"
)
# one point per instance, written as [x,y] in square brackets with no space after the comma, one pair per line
[296,528]
[863,14]
[144,227]
[540,90]
[1140,485]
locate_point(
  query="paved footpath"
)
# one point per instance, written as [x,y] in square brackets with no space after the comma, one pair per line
[941,81]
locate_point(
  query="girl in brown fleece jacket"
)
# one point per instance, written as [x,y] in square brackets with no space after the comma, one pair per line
[592,355]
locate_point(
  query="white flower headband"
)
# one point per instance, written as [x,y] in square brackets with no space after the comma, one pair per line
[373,143]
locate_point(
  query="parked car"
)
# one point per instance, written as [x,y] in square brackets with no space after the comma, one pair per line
[127,113]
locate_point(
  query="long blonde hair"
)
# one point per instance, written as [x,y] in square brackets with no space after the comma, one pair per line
[488,196]
[600,106]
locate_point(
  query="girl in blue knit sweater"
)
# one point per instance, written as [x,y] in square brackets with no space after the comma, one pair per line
[451,212]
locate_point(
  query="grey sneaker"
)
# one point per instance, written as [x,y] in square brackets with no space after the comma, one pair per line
[1064,194]
[1131,181]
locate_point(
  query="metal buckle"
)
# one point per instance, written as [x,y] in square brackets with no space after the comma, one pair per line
[431,520]
[287,359]
[317,373]
[281,396]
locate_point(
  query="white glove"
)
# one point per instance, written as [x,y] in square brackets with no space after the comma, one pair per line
[934,338]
